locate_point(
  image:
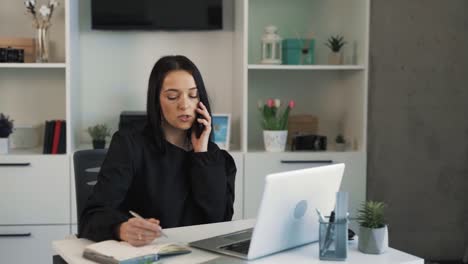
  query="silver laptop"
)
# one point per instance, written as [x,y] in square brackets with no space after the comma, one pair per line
[287,217]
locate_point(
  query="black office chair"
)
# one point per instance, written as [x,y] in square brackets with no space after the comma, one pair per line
[87,164]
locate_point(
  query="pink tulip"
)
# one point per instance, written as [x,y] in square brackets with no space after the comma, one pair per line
[291,104]
[270,103]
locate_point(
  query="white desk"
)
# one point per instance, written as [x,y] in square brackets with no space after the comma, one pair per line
[71,249]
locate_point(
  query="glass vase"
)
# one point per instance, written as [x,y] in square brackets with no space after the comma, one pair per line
[42,44]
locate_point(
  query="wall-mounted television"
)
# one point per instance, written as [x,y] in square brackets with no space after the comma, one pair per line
[157,14]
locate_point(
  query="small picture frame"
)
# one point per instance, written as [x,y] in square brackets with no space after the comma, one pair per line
[221,130]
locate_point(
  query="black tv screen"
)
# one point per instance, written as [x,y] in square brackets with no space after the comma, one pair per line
[157,14]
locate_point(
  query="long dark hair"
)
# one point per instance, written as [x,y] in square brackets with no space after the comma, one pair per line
[153,107]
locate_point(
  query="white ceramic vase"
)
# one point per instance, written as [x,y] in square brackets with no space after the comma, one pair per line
[340,146]
[373,241]
[335,58]
[3,145]
[275,140]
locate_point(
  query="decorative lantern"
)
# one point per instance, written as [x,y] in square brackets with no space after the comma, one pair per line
[271,46]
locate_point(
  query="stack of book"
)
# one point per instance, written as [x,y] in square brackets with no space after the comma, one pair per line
[55,139]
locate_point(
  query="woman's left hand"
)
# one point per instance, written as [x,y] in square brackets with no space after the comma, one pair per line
[201,144]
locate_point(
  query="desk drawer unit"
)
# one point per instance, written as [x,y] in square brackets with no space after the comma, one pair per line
[34,190]
[258,165]
[29,244]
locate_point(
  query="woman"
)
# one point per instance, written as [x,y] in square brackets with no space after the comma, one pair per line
[168,173]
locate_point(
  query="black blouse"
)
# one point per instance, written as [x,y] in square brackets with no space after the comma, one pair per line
[177,187]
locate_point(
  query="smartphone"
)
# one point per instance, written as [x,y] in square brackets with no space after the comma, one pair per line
[199,127]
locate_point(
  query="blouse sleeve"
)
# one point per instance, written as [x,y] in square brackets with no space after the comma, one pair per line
[212,179]
[101,215]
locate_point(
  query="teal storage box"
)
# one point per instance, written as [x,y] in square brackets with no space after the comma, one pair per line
[298,51]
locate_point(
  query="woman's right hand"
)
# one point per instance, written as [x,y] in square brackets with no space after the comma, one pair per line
[139,232]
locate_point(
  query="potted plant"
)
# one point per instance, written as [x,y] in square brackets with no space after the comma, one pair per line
[99,133]
[340,143]
[373,231]
[335,43]
[274,124]
[6,128]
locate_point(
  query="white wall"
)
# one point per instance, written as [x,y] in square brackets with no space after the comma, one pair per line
[115,66]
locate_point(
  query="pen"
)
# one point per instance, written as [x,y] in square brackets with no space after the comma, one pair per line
[321,217]
[139,216]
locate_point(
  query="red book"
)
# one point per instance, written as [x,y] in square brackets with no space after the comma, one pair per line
[56,140]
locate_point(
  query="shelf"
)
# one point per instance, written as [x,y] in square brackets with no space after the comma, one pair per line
[29,151]
[33,65]
[306,67]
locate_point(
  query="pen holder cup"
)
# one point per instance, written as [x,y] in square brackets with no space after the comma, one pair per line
[333,240]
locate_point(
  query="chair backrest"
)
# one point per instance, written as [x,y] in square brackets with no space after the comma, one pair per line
[87,164]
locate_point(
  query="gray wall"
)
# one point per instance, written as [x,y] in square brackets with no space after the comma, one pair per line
[418,123]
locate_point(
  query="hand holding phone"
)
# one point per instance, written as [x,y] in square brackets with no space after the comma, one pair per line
[199,127]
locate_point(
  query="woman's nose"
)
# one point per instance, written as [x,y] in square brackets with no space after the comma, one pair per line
[183,103]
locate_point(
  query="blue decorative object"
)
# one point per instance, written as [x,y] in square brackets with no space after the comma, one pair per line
[221,129]
[298,51]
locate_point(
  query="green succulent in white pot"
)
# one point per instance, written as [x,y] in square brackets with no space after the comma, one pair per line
[373,229]
[340,143]
[274,123]
[6,128]
[335,43]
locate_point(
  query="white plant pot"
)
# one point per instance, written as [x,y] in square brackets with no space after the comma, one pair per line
[4,146]
[335,58]
[373,241]
[340,146]
[275,140]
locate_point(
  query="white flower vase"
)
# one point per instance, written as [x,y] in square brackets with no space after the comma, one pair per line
[275,140]
[3,145]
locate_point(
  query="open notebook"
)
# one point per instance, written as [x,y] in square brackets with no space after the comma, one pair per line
[115,252]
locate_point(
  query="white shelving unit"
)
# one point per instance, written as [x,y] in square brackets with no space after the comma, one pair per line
[35,188]
[33,65]
[336,94]
[32,93]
